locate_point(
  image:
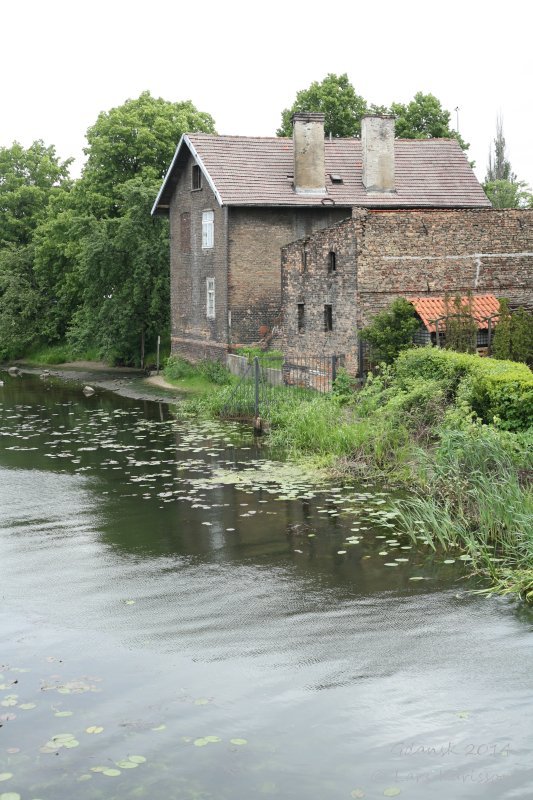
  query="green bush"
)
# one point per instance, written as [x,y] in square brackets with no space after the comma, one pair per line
[344,385]
[500,391]
[391,331]
[214,372]
[176,368]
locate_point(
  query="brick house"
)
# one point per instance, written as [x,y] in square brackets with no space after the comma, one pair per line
[235,201]
[425,227]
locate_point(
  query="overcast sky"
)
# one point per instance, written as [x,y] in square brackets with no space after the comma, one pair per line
[62,62]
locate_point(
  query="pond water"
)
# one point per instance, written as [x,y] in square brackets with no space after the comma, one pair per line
[183,617]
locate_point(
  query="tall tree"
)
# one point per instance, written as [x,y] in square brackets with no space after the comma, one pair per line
[501,185]
[424,118]
[499,167]
[336,98]
[135,139]
[28,179]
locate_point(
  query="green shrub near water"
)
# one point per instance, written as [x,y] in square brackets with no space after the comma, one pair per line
[497,391]
[178,368]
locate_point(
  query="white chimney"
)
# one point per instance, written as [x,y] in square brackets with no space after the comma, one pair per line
[377,139]
[309,165]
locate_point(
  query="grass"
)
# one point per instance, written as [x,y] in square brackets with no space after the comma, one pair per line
[469,478]
[58,354]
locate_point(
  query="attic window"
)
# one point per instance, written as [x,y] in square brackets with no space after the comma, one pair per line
[196,177]
[335,178]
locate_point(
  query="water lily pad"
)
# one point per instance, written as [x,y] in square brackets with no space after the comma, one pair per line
[160,728]
[127,764]
[239,741]
[417,578]
[200,742]
[392,791]
[71,743]
[63,713]
[111,773]
[341,552]
[137,759]
[5,776]
[357,794]
[129,602]
[27,706]
[84,777]
[10,796]
[213,739]
[201,701]
[449,561]
[94,729]
[390,564]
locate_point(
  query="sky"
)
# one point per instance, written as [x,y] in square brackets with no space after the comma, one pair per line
[62,62]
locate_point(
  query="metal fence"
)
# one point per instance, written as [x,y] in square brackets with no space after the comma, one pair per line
[266,376]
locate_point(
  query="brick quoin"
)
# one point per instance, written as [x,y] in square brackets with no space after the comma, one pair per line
[381,255]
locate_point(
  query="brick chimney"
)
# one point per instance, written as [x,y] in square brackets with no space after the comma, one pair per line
[309,167]
[377,138]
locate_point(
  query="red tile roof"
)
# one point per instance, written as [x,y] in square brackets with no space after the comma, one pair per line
[258,171]
[431,308]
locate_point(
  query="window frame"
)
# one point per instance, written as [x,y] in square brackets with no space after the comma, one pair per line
[208,229]
[332,262]
[196,178]
[210,303]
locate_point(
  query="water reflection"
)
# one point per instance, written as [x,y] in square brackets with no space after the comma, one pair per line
[196,606]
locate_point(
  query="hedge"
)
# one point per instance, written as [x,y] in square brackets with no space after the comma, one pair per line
[493,389]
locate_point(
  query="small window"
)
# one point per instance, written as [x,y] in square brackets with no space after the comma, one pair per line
[332,263]
[328,317]
[196,177]
[303,262]
[301,317]
[208,229]
[210,303]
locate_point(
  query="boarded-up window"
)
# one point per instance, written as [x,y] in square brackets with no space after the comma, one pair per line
[210,304]
[185,232]
[301,317]
[328,317]
[208,229]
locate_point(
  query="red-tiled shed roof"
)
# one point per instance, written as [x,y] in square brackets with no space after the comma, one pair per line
[258,171]
[431,308]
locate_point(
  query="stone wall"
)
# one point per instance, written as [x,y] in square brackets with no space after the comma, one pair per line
[385,254]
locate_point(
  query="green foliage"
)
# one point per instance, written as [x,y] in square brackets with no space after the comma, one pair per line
[336,98]
[522,336]
[177,367]
[513,336]
[501,341]
[20,302]
[28,179]
[501,185]
[391,331]
[424,118]
[496,391]
[508,194]
[214,372]
[270,358]
[461,325]
[135,140]
[344,385]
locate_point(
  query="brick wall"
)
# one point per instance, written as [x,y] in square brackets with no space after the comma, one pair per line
[256,236]
[308,280]
[193,335]
[386,254]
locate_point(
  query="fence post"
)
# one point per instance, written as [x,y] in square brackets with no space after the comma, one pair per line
[437,332]
[333,370]
[158,346]
[489,336]
[256,377]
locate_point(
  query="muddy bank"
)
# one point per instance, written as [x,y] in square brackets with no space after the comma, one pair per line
[125,381]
